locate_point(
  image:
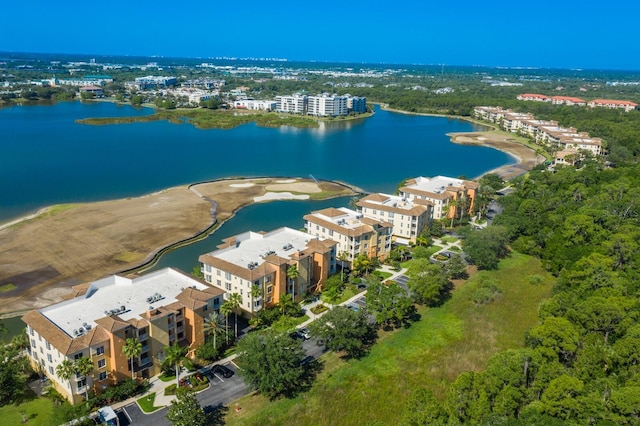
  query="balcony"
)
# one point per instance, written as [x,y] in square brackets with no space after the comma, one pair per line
[142,364]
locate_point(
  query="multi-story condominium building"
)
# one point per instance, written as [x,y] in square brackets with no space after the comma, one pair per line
[295,104]
[354,233]
[512,121]
[206,83]
[252,104]
[159,309]
[326,105]
[153,82]
[533,97]
[263,260]
[356,104]
[567,100]
[87,80]
[609,103]
[440,190]
[408,217]
[490,114]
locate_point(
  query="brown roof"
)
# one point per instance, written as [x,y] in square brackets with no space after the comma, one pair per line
[368,225]
[112,323]
[193,298]
[330,212]
[417,209]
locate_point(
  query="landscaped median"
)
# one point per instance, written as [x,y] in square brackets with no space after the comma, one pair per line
[146,403]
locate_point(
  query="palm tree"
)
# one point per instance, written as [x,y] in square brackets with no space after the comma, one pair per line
[292,274]
[343,256]
[213,325]
[235,300]
[226,309]
[132,349]
[65,370]
[84,366]
[453,203]
[175,355]
[256,291]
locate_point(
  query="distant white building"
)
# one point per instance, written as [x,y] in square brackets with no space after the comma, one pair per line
[295,104]
[255,105]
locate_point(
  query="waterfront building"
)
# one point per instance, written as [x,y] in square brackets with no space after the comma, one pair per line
[294,104]
[408,217]
[154,82]
[160,309]
[356,104]
[94,90]
[354,233]
[263,259]
[326,105]
[87,80]
[440,191]
[609,103]
[255,105]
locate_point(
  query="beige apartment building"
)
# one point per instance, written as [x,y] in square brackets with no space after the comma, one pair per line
[354,233]
[160,309]
[408,217]
[440,191]
[263,259]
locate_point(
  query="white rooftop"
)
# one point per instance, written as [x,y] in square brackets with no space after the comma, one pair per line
[435,184]
[252,247]
[394,201]
[115,293]
[351,219]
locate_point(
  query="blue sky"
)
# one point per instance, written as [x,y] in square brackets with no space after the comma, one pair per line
[557,34]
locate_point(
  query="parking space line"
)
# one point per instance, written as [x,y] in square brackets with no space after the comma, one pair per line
[231,362]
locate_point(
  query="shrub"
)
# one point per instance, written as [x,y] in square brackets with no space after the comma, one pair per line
[536,279]
[171,389]
[318,309]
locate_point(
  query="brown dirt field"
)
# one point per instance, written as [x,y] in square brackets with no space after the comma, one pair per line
[47,254]
[527,157]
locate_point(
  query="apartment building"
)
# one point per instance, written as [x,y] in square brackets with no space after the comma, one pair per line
[567,100]
[440,191]
[356,104]
[294,104]
[326,105]
[255,105]
[154,82]
[159,309]
[408,217]
[262,259]
[533,97]
[354,233]
[610,103]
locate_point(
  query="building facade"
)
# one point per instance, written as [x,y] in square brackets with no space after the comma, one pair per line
[294,104]
[160,309]
[440,191]
[261,261]
[408,217]
[326,105]
[154,82]
[354,233]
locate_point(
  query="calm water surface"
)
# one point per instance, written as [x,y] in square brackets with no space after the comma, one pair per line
[47,158]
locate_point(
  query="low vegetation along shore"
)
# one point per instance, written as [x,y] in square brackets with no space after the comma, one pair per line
[218,119]
[66,245]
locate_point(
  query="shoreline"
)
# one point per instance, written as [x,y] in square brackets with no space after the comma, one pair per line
[525,157]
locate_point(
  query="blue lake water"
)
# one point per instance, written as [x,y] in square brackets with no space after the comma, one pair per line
[47,158]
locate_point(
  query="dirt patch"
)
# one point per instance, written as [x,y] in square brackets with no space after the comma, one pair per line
[527,157]
[46,254]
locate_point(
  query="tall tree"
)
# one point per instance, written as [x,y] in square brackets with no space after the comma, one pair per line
[271,363]
[343,256]
[132,349]
[226,309]
[235,301]
[292,275]
[84,367]
[185,410]
[66,370]
[428,282]
[174,356]
[214,324]
[343,330]
[389,303]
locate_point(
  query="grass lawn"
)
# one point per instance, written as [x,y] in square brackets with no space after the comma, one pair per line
[382,274]
[457,337]
[167,378]
[286,323]
[146,403]
[449,239]
[347,294]
[14,325]
[38,411]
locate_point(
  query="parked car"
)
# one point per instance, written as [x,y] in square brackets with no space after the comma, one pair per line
[304,333]
[221,370]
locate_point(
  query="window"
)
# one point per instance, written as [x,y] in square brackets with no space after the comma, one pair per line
[219,283]
[227,286]
[102,376]
[218,272]
[269,289]
[82,383]
[51,370]
[33,343]
[32,332]
[267,279]
[102,363]
[207,268]
[207,278]
[227,275]
[48,346]
[204,308]
[99,350]
[49,358]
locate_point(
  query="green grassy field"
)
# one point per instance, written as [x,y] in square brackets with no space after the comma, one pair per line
[457,337]
[37,411]
[14,325]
